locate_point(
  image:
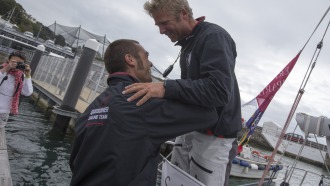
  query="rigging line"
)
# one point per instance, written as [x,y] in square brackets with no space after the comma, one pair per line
[278,161]
[319,46]
[294,106]
[312,67]
[326,166]
[297,158]
[290,171]
[309,66]
[287,144]
[316,28]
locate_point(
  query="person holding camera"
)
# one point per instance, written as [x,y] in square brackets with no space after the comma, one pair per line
[15,79]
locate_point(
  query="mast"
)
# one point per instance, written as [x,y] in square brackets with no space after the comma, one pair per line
[103,45]
[54,32]
[10,16]
[77,40]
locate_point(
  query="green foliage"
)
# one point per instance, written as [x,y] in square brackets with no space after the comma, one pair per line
[60,40]
[21,19]
[6,6]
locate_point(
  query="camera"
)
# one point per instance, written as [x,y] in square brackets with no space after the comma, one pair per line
[20,66]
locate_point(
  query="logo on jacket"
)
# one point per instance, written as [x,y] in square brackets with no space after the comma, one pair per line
[97,116]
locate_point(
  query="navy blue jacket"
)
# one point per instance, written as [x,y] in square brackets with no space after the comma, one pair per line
[207,64]
[117,143]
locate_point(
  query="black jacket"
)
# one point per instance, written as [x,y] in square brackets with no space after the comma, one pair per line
[117,143]
[208,79]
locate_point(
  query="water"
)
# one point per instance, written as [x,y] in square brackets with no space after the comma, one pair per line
[38,157]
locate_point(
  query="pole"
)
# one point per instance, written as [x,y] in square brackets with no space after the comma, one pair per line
[36,58]
[67,108]
[103,45]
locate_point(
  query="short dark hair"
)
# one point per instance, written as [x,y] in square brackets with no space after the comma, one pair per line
[114,57]
[17,54]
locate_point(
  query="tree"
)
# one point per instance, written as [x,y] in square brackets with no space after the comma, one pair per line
[60,40]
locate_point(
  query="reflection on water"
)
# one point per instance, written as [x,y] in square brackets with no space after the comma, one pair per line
[36,156]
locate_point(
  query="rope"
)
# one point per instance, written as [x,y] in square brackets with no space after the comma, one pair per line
[326,166]
[298,97]
[326,12]
[296,160]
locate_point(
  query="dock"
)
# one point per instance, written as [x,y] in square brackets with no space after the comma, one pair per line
[311,152]
[266,137]
[5,177]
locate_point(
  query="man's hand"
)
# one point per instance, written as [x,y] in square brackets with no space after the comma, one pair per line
[27,71]
[147,90]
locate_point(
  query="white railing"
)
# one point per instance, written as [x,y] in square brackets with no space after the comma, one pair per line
[309,143]
[55,74]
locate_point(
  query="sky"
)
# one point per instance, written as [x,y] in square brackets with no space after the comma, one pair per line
[268,35]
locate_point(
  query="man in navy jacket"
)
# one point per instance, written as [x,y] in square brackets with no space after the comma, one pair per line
[207,61]
[117,143]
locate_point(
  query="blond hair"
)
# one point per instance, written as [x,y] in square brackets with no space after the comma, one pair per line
[172,6]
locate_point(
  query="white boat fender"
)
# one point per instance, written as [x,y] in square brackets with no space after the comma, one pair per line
[254,166]
[236,161]
[244,164]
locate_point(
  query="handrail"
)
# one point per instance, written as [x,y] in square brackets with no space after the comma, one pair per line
[308,142]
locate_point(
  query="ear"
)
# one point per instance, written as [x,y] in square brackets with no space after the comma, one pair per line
[129,59]
[184,14]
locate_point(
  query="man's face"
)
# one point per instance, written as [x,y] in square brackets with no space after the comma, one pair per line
[143,71]
[13,62]
[171,26]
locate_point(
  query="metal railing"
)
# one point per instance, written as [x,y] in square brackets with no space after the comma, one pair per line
[297,176]
[55,75]
[309,143]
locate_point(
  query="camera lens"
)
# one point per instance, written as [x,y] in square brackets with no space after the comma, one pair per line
[20,66]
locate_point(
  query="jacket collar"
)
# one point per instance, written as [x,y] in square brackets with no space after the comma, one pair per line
[194,32]
[116,77]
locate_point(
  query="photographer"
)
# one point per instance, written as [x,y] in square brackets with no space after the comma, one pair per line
[15,79]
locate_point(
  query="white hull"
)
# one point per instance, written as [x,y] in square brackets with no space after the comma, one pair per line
[245,172]
[252,166]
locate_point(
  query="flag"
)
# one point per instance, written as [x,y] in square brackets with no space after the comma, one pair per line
[265,97]
[174,176]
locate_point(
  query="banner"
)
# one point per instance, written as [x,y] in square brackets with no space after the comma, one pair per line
[265,97]
[174,176]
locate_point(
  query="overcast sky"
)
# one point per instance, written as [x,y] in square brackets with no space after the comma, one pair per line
[267,34]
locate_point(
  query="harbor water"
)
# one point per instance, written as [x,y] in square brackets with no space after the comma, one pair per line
[39,157]
[36,156]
